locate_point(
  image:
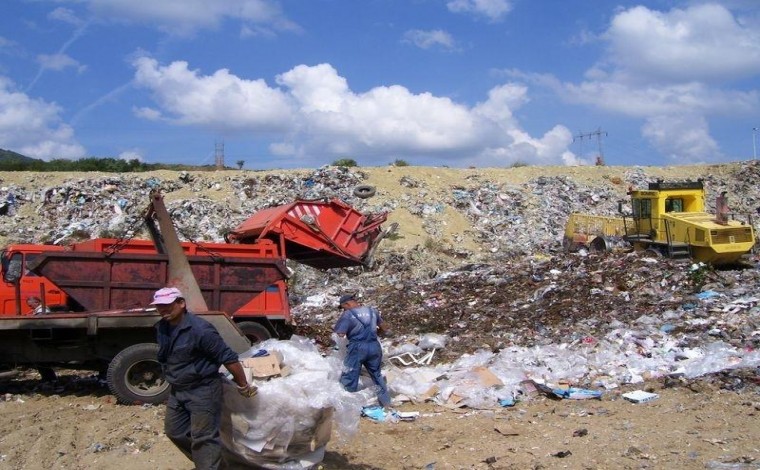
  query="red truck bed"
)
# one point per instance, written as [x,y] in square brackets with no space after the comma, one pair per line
[322,234]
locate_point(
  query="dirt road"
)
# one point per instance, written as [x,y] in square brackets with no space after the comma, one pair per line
[698,424]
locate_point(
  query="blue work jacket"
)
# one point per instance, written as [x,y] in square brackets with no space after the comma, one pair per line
[190,353]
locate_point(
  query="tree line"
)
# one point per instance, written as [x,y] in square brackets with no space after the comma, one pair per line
[108,165]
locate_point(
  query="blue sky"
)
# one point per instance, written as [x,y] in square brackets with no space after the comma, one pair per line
[301,83]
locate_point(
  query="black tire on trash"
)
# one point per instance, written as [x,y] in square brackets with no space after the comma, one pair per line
[134,376]
[256,332]
[364,191]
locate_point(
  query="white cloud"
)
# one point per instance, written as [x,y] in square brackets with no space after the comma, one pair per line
[428,39]
[33,127]
[67,16]
[59,62]
[682,138]
[187,16]
[314,112]
[133,154]
[645,101]
[702,43]
[147,113]
[4,43]
[494,10]
[218,101]
[673,70]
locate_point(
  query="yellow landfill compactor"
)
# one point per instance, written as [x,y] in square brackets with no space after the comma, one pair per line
[667,219]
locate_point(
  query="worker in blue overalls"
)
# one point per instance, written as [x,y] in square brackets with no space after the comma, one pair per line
[360,325]
[190,352]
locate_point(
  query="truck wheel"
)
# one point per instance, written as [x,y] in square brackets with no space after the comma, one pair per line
[256,332]
[134,375]
[599,245]
[364,191]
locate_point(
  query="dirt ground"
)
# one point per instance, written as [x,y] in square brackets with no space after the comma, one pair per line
[699,424]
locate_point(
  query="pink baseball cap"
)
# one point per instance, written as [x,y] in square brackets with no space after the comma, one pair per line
[166,296]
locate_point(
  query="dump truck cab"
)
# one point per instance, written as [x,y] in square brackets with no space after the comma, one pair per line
[15,261]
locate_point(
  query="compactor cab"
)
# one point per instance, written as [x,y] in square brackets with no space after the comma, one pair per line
[649,207]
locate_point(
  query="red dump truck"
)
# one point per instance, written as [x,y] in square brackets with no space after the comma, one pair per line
[96,291]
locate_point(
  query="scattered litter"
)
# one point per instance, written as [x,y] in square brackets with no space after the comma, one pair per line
[408,415]
[505,431]
[380,414]
[507,402]
[580,432]
[640,396]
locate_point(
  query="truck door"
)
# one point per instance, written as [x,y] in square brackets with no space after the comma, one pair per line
[29,284]
[642,215]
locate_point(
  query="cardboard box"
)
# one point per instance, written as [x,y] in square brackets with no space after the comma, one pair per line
[486,377]
[263,366]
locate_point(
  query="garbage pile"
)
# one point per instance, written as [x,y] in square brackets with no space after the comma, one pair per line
[505,218]
[597,321]
[204,206]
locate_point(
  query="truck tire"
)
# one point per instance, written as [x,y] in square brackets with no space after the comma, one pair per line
[364,191]
[256,332]
[134,376]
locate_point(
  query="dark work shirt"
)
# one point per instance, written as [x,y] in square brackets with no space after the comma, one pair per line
[191,352]
[359,323]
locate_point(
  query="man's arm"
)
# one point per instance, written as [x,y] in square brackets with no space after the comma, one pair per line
[238,375]
[382,330]
[211,342]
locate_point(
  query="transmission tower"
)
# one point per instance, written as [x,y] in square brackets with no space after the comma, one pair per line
[598,134]
[219,154]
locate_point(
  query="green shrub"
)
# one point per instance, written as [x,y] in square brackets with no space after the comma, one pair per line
[347,162]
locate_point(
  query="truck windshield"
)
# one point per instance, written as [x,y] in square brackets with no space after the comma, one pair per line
[29,258]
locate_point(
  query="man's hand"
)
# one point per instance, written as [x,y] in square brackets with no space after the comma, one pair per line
[248,391]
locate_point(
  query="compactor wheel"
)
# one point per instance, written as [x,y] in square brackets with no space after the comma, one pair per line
[653,253]
[599,245]
[134,375]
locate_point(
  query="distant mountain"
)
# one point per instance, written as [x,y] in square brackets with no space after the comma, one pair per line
[9,156]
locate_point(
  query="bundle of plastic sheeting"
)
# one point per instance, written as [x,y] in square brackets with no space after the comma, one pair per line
[288,424]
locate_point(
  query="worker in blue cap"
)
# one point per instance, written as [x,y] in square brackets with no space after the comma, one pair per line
[360,325]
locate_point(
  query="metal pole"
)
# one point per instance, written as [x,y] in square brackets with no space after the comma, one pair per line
[754,145]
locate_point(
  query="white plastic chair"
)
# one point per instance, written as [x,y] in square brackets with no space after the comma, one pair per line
[408,358]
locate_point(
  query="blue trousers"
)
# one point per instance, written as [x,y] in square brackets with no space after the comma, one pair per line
[370,355]
[192,423]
